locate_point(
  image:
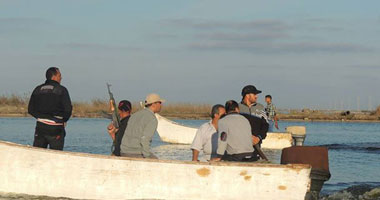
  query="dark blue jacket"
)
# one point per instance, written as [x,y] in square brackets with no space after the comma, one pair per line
[50,101]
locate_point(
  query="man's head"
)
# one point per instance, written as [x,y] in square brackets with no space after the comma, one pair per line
[54,74]
[268,99]
[249,94]
[232,106]
[217,111]
[125,108]
[154,102]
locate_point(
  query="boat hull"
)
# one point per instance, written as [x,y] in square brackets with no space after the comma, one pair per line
[35,171]
[175,133]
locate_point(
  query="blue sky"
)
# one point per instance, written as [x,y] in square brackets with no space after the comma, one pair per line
[315,54]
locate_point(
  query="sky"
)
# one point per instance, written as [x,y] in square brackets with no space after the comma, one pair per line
[306,54]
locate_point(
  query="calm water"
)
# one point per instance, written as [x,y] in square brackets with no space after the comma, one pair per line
[354,148]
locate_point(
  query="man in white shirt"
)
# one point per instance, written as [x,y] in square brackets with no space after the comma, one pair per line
[206,138]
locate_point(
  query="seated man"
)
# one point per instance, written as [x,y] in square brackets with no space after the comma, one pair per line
[234,136]
[125,108]
[206,138]
[259,129]
[142,125]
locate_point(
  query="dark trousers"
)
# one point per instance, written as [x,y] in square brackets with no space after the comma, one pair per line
[241,157]
[152,156]
[52,136]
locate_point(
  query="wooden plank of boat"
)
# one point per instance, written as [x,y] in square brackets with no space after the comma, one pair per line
[36,171]
[172,132]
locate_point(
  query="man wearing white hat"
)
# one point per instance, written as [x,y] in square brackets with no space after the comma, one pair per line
[140,130]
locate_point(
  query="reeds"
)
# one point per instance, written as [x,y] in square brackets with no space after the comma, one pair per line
[187,110]
[14,104]
[13,100]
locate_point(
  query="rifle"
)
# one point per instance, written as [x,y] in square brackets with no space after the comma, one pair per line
[115,113]
[260,152]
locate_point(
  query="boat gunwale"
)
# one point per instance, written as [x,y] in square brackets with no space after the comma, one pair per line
[196,128]
[174,122]
[89,155]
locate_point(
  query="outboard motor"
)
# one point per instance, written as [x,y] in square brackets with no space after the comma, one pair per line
[298,134]
[317,157]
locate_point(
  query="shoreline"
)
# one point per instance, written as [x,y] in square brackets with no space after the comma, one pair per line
[16,106]
[200,117]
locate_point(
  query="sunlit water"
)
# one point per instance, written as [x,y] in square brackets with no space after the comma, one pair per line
[354,148]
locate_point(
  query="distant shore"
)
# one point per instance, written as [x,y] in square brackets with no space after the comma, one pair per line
[15,106]
[203,117]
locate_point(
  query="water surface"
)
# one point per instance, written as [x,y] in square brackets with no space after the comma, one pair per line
[354,148]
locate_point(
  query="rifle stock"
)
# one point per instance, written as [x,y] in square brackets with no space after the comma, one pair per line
[260,152]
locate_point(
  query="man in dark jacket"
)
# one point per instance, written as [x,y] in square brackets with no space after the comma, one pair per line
[125,109]
[50,104]
[254,111]
[255,114]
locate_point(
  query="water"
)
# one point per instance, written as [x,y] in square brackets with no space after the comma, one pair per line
[354,148]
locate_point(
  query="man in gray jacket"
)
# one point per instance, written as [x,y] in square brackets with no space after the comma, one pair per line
[249,104]
[140,130]
[235,139]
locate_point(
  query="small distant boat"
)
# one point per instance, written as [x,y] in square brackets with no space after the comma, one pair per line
[172,132]
[35,171]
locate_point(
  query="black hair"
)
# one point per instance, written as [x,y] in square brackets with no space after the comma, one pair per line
[268,96]
[215,110]
[52,71]
[231,106]
[125,105]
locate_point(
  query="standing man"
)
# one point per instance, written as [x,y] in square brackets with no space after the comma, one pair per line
[140,130]
[125,108]
[249,103]
[271,113]
[50,104]
[254,111]
[235,139]
[206,138]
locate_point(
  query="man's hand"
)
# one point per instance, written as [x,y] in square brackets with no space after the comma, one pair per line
[255,140]
[216,159]
[195,155]
[112,130]
[276,122]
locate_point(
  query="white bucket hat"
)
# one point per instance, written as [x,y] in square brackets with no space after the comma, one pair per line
[153,98]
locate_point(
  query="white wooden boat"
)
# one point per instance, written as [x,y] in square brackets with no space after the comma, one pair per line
[36,171]
[172,132]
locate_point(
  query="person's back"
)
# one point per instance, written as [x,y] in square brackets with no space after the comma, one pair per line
[235,134]
[140,122]
[140,130]
[50,100]
[50,104]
